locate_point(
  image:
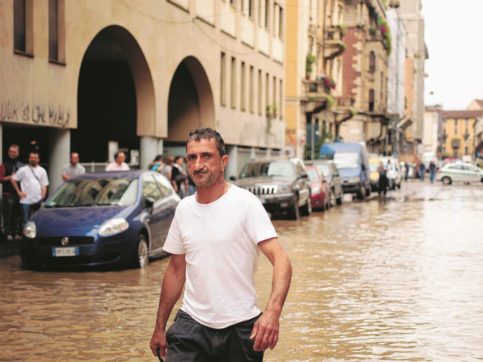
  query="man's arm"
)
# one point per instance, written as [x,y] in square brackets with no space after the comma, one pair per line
[44,192]
[17,189]
[266,328]
[173,282]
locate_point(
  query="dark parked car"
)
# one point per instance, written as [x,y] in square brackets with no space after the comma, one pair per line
[282,185]
[329,170]
[110,218]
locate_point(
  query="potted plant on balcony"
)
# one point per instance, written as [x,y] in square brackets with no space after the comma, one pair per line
[309,64]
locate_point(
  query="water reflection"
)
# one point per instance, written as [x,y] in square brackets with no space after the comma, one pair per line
[398,280]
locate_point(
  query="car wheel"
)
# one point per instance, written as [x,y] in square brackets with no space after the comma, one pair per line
[306,210]
[142,255]
[446,180]
[294,214]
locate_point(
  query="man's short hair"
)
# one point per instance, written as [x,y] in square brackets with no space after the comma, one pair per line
[13,145]
[207,134]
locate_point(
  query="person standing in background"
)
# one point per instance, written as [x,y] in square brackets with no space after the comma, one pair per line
[118,164]
[33,185]
[73,168]
[12,219]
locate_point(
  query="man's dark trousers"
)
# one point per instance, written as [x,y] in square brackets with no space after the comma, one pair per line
[189,340]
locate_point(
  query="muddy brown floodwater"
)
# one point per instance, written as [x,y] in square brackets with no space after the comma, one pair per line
[373,280]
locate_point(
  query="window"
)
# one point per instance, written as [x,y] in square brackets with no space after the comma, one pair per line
[251,90]
[274,95]
[250,9]
[243,88]
[455,126]
[232,3]
[267,13]
[233,83]
[164,185]
[22,26]
[223,79]
[280,95]
[466,150]
[372,62]
[280,22]
[56,30]
[260,92]
[267,91]
[371,100]
[150,189]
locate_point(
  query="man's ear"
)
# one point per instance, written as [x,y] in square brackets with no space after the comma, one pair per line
[224,160]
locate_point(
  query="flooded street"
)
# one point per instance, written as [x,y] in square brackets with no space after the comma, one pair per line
[396,280]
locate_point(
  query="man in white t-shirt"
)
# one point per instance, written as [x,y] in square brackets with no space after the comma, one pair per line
[214,241]
[118,164]
[33,185]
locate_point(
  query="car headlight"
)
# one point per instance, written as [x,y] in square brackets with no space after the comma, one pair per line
[354,179]
[30,230]
[284,188]
[113,227]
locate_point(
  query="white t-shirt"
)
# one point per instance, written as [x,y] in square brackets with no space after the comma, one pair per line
[220,242]
[31,185]
[114,166]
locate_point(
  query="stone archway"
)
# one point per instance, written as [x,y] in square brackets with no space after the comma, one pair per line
[115,96]
[191,103]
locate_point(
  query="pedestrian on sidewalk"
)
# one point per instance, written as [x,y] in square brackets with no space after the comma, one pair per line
[157,164]
[422,171]
[118,164]
[179,176]
[73,168]
[33,185]
[383,180]
[432,171]
[406,171]
[213,239]
[12,214]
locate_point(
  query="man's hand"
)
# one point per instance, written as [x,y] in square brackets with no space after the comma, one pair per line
[265,331]
[158,340]
[22,195]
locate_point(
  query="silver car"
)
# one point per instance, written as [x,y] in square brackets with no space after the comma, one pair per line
[459,172]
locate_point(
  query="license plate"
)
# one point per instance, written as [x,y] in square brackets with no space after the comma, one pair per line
[72,251]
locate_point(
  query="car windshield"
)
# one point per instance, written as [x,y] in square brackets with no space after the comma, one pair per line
[274,168]
[95,192]
[313,176]
[324,169]
[346,160]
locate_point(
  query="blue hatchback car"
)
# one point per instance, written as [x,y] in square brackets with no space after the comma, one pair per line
[101,219]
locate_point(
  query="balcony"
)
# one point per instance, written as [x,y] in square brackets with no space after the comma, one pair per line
[333,45]
[316,95]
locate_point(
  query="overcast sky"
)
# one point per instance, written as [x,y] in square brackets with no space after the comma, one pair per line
[454,37]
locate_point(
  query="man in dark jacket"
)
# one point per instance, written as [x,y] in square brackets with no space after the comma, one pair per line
[11,207]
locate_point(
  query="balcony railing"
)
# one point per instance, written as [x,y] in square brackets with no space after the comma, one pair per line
[344,102]
[334,45]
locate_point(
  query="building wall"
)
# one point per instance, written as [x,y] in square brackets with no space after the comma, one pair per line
[411,13]
[157,37]
[456,129]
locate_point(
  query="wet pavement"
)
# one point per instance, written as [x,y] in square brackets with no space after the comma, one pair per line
[394,279]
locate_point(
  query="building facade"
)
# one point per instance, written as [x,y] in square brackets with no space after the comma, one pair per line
[459,136]
[433,132]
[96,77]
[365,69]
[410,11]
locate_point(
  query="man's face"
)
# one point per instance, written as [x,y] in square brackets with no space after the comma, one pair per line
[34,159]
[74,159]
[121,157]
[205,164]
[13,153]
